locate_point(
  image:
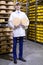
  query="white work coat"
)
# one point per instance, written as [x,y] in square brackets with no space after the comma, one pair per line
[20,31]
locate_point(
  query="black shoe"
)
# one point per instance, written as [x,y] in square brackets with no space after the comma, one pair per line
[22,59]
[15,61]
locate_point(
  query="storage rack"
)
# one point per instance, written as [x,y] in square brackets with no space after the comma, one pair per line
[36,19]
[6,42]
[32,18]
[39,25]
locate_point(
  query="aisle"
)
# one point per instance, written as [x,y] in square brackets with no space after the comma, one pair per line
[33,53]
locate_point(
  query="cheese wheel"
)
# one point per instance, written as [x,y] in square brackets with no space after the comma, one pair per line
[3,11]
[2,20]
[3,7]
[2,2]
[10,12]
[16,21]
[7,29]
[11,7]
[11,3]
[24,21]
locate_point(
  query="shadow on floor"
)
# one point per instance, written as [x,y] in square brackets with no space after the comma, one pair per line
[6,57]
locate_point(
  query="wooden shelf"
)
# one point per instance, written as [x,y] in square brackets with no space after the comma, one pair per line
[5,31]
[7,0]
[23,4]
[7,4]
[6,39]
[4,13]
[4,22]
[6,9]
[4,17]
[5,35]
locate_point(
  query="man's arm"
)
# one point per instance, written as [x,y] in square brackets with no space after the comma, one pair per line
[27,24]
[10,21]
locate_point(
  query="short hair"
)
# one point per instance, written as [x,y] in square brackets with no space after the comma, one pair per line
[17,3]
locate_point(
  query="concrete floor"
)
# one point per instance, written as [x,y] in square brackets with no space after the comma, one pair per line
[33,53]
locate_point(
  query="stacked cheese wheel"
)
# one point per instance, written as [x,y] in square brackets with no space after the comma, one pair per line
[17,21]
[2,2]
[10,7]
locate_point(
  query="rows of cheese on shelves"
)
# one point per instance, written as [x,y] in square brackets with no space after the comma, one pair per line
[5,41]
[31,34]
[6,5]
[32,11]
[39,33]
[32,18]
[31,1]
[36,15]
[5,48]
[23,1]
[40,13]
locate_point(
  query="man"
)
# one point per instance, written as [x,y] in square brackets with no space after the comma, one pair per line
[18,31]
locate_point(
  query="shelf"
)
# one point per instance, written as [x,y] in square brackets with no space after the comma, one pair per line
[32,3]
[7,4]
[7,43]
[4,13]
[4,17]
[7,0]
[6,9]
[5,31]
[23,4]
[6,22]
[5,35]
[5,40]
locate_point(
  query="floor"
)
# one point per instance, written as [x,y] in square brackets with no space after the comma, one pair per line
[33,53]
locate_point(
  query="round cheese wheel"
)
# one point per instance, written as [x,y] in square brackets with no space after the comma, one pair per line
[7,29]
[16,21]
[3,11]
[24,21]
[2,2]
[3,7]
[11,7]
[2,20]
[11,3]
[10,12]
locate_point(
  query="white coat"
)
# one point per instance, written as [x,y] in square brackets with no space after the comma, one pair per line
[20,31]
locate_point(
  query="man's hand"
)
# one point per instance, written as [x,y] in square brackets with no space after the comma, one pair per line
[23,26]
[15,27]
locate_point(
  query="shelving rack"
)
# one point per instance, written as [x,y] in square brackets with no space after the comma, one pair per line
[36,20]
[6,42]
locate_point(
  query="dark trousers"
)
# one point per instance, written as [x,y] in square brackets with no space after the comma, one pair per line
[15,47]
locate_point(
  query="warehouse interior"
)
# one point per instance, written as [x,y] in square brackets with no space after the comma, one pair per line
[33,42]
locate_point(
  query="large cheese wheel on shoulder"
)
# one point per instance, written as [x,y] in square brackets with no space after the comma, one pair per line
[16,21]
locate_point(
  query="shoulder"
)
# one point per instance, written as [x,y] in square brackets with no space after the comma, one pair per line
[12,13]
[22,12]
